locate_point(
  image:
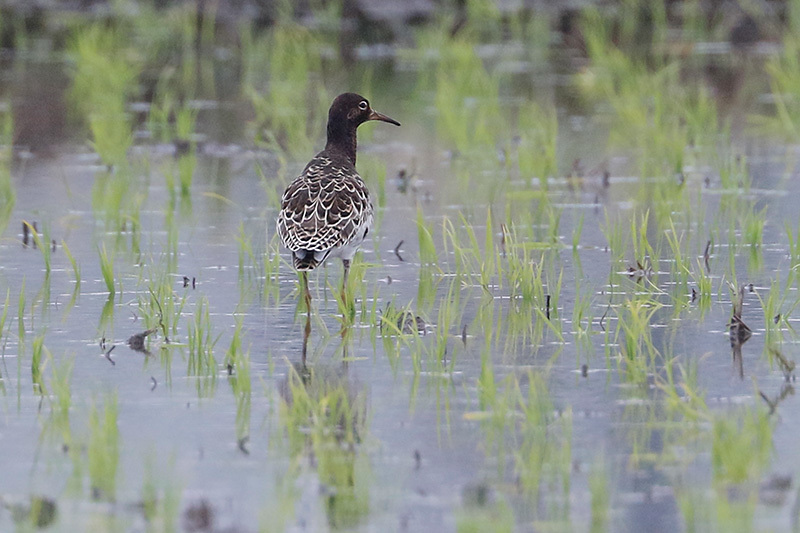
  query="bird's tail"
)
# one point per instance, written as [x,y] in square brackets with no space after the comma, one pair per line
[307,259]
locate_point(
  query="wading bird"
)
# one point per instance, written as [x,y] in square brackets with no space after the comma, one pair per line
[326,210]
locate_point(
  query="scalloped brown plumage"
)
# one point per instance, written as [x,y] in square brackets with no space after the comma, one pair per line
[326,211]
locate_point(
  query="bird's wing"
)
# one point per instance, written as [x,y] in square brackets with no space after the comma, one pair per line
[323,208]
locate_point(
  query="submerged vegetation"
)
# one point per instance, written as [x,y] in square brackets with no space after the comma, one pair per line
[583,270]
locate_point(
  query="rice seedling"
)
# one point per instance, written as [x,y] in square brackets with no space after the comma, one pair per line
[41,242]
[498,402]
[247,259]
[161,308]
[186,169]
[599,497]
[4,334]
[734,509]
[112,137]
[202,364]
[114,198]
[107,269]
[171,247]
[613,231]
[105,325]
[525,425]
[695,22]
[692,506]
[39,356]
[582,318]
[634,318]
[485,516]
[241,387]
[20,317]
[538,458]
[103,448]
[291,112]
[577,229]
[467,107]
[326,417]
[643,423]
[784,76]
[427,247]
[160,496]
[703,286]
[776,309]
[752,226]
[536,150]
[271,271]
[467,257]
[76,269]
[643,252]
[741,446]
[8,195]
[683,397]
[61,398]
[279,509]
[733,170]
[794,248]
[103,79]
[444,354]
[681,268]
[656,113]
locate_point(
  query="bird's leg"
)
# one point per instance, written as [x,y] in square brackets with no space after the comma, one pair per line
[306,334]
[307,299]
[346,263]
[306,292]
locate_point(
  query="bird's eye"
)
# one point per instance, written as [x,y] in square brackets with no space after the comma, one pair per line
[363,105]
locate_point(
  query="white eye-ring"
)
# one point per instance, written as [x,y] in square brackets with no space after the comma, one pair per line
[363,105]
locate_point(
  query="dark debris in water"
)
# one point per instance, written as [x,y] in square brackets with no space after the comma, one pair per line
[406,180]
[136,342]
[397,250]
[478,495]
[30,232]
[40,511]
[773,491]
[739,331]
[108,355]
[242,445]
[198,517]
[406,321]
[107,350]
[641,271]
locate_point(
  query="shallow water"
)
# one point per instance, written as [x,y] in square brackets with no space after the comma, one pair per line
[441,441]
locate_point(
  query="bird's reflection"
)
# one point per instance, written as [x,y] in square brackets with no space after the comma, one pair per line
[325,413]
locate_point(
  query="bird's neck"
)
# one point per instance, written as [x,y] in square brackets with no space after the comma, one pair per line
[342,140]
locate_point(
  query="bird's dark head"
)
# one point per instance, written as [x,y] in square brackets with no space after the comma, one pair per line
[351,110]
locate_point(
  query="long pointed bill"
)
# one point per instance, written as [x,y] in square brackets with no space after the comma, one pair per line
[374,115]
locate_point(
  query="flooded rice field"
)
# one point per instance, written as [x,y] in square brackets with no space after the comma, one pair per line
[576,310]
